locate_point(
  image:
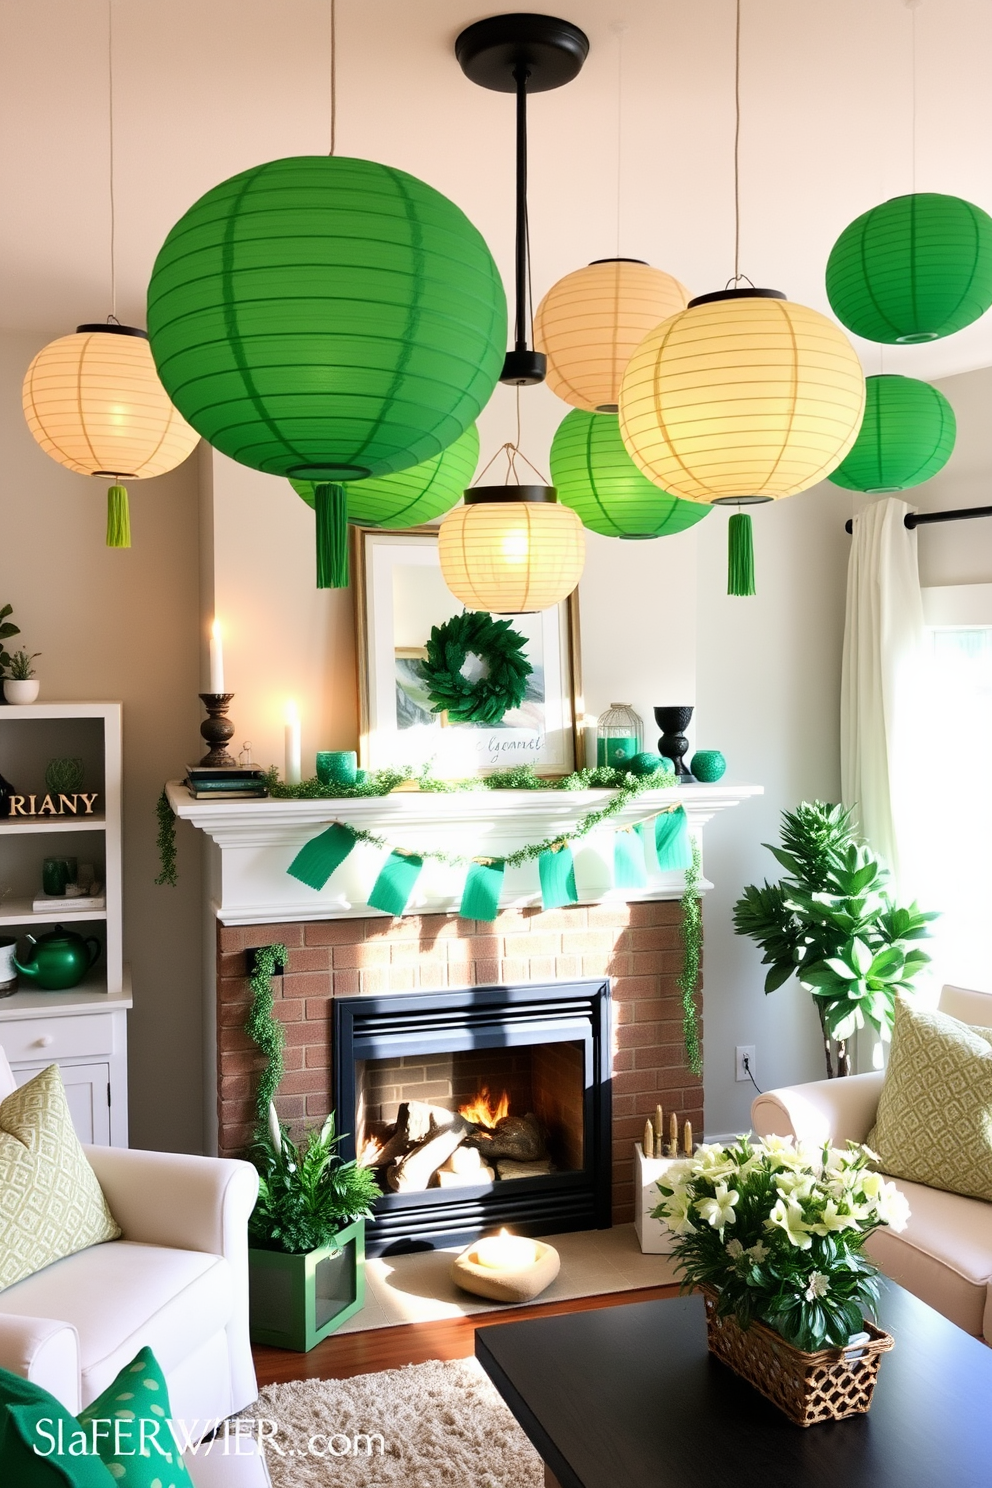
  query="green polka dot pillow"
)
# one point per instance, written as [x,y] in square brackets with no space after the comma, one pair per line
[129,1426]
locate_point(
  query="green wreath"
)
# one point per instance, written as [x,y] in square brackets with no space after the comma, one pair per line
[497,644]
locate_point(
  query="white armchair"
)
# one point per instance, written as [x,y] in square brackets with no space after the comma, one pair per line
[177,1280]
[944,1255]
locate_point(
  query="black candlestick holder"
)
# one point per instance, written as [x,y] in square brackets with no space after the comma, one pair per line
[217,728]
[673,742]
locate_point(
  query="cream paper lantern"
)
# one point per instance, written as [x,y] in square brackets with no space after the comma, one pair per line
[511,550]
[94,402]
[743,397]
[590,323]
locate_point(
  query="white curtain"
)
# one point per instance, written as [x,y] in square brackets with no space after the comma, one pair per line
[882,687]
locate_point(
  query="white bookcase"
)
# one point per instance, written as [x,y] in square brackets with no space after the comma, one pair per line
[84,1030]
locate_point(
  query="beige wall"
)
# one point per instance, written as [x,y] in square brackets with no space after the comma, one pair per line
[121,625]
[961,552]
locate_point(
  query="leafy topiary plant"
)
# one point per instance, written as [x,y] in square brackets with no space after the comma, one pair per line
[307,1192]
[831,922]
[19,668]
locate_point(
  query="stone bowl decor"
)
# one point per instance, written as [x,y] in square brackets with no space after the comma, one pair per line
[515,1281]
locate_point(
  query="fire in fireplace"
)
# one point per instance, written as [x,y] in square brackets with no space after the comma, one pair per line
[478,1108]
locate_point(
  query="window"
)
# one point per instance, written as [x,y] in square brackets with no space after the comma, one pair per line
[955,767]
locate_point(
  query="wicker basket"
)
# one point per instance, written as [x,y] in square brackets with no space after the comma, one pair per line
[825,1386]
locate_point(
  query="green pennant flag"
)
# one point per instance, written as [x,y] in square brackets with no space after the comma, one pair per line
[671,838]
[483,886]
[557,870]
[645,830]
[628,860]
[317,859]
[393,887]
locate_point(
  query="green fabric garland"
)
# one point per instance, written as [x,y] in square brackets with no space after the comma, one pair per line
[497,644]
[262,1027]
[691,931]
[397,877]
[557,871]
[483,886]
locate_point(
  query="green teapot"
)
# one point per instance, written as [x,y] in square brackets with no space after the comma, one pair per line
[59,960]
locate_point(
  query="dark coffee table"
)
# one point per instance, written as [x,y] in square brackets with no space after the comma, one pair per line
[630,1397]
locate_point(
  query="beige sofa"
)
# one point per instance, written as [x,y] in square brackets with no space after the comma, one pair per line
[944,1255]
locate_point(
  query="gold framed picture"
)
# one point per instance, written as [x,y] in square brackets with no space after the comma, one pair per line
[400,595]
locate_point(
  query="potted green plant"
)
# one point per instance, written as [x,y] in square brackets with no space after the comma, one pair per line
[306,1255]
[774,1235]
[7,629]
[20,685]
[831,921]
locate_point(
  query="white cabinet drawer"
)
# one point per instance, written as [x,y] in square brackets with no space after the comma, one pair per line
[47,1040]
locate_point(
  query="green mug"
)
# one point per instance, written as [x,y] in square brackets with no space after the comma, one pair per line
[56,873]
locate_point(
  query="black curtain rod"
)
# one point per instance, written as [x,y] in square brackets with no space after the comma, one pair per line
[924,519]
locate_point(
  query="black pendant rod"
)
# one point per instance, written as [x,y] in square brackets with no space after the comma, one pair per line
[520,76]
[926,519]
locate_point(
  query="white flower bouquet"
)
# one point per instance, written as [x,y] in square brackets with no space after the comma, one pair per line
[778,1233]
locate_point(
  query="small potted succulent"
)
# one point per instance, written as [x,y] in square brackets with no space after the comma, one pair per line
[306,1236]
[20,685]
[773,1235]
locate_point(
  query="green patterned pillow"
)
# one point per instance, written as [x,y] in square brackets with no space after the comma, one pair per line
[140,1451]
[51,1204]
[33,1424]
[934,1122]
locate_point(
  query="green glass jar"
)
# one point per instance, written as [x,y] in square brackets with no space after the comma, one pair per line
[619,735]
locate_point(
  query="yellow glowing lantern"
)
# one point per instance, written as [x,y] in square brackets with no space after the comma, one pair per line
[94,402]
[511,549]
[590,323]
[742,397]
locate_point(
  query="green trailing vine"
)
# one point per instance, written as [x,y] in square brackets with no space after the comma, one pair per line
[264,1029]
[496,644]
[691,931]
[166,841]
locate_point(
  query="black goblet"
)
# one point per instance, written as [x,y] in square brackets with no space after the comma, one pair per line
[673,742]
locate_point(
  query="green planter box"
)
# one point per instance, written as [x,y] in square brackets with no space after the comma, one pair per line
[296,1300]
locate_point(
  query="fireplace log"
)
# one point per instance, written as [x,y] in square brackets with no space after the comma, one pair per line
[396,1139]
[517,1137]
[424,1120]
[453,1178]
[507,1168]
[415,1171]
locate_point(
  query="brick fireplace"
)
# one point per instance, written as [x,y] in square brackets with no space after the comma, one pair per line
[636,945]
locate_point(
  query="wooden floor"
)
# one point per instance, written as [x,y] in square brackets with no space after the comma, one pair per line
[414,1343]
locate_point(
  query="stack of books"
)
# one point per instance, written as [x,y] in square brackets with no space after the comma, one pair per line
[226,782]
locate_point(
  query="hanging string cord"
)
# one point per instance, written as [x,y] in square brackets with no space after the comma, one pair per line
[913,10]
[334,79]
[110,127]
[619,28]
[738,276]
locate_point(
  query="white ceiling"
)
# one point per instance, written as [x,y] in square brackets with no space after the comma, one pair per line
[205,88]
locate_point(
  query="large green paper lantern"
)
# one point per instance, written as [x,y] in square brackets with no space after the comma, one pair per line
[907,435]
[595,476]
[327,318]
[912,269]
[409,497]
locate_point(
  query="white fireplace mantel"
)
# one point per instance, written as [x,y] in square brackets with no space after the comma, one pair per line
[254,842]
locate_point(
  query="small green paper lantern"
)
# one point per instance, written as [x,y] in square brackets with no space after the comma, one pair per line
[912,269]
[327,318]
[410,497]
[594,475]
[907,435]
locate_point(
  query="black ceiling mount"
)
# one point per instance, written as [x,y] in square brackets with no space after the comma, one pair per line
[522,54]
[552,51]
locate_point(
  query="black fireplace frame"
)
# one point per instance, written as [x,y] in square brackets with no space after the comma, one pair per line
[492,1016]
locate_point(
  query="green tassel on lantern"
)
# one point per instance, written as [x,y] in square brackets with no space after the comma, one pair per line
[740,555]
[331,506]
[318,858]
[118,518]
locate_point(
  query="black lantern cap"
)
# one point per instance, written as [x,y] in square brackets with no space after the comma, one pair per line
[748,293]
[478,495]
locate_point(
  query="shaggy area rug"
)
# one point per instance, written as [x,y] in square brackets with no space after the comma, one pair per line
[442,1425]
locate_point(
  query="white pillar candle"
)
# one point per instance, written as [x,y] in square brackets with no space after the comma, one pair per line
[216,659]
[505,1252]
[294,751]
